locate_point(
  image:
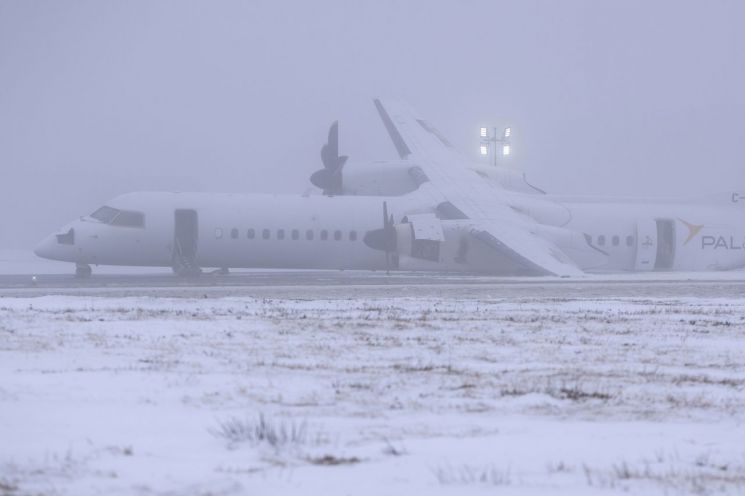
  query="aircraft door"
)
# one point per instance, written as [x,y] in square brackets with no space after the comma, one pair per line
[665,244]
[185,242]
[646,245]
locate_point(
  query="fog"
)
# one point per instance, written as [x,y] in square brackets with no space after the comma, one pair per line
[101,98]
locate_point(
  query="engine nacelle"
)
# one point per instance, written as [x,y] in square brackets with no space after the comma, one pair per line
[379,179]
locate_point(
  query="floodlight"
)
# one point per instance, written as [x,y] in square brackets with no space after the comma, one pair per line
[505,150]
[484,150]
[507,132]
[484,132]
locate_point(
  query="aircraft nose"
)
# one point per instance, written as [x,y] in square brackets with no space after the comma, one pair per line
[45,249]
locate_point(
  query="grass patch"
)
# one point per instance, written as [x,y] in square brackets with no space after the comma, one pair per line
[7,487]
[468,474]
[276,434]
[573,391]
[331,460]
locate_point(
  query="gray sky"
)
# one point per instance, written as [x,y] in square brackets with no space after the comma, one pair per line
[605,97]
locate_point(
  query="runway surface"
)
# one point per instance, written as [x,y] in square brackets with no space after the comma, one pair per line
[360,284]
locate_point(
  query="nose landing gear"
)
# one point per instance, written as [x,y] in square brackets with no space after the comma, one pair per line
[83,271]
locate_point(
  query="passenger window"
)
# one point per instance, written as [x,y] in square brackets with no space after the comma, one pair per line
[128,218]
[324,235]
[265,234]
[250,234]
[601,240]
[295,234]
[281,234]
[629,241]
[352,235]
[309,235]
[337,235]
[616,240]
[218,233]
[234,233]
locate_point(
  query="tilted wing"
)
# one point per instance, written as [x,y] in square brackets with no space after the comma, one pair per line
[495,222]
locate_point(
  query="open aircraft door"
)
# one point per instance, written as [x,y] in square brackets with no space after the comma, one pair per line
[646,245]
[185,242]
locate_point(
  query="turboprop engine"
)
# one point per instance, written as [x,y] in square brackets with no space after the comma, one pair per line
[423,241]
[394,178]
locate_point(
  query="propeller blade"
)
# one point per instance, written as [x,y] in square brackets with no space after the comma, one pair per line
[321,179]
[384,239]
[330,151]
[333,140]
[329,179]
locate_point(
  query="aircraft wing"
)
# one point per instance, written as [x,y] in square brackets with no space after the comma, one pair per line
[495,222]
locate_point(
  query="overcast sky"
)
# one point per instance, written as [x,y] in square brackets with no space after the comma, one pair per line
[605,97]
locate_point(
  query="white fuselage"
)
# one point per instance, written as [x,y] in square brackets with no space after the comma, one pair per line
[319,232]
[698,237]
[233,230]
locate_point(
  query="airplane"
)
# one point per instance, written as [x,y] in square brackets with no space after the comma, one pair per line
[432,210]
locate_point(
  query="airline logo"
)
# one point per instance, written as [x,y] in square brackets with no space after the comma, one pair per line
[713,242]
[693,230]
[722,242]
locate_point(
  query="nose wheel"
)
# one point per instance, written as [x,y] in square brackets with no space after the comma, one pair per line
[83,271]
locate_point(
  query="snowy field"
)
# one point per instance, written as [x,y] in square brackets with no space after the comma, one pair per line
[410,395]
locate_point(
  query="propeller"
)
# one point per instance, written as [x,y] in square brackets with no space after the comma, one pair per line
[329,179]
[384,239]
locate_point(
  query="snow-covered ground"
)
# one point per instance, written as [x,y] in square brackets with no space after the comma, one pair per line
[432,395]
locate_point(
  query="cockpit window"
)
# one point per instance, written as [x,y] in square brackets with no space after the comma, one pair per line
[116,217]
[129,219]
[105,214]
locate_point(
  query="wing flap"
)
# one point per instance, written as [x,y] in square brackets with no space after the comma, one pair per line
[530,252]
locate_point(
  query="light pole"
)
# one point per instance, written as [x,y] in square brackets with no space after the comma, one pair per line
[493,140]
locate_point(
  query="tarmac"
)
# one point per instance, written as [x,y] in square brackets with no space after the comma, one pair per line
[314,284]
